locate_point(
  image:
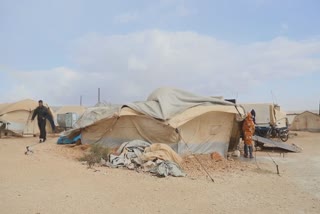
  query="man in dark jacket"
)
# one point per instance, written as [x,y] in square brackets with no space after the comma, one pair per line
[43,113]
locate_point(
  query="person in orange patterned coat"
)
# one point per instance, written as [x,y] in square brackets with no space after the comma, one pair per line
[248,128]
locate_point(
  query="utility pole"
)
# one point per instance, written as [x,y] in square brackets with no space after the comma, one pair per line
[98,95]
[80,100]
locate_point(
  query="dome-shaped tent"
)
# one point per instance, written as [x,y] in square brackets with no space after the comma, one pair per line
[16,118]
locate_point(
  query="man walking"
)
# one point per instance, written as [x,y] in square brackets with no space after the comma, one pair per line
[248,131]
[43,113]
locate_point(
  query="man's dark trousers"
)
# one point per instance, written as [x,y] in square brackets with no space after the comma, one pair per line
[42,127]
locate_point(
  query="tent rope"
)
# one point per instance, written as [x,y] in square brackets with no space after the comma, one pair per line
[277,166]
[178,131]
[255,158]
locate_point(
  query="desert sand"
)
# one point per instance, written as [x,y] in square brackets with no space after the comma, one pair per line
[51,180]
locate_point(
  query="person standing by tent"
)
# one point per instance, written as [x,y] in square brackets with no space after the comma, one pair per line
[248,128]
[253,114]
[43,113]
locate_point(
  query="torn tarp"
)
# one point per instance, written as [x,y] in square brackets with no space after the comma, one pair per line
[167,168]
[66,140]
[128,152]
[138,154]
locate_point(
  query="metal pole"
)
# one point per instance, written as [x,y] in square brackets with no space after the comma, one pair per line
[80,100]
[98,95]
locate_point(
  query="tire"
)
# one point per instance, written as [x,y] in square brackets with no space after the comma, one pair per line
[284,137]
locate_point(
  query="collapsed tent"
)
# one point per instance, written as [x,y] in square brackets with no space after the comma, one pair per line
[16,118]
[184,121]
[158,159]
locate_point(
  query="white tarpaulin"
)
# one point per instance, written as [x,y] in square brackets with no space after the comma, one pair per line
[164,103]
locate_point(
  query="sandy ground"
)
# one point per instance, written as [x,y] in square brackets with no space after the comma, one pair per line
[52,181]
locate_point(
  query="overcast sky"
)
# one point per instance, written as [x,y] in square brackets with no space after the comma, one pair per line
[252,50]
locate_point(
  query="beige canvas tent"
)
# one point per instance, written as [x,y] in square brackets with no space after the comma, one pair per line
[186,122]
[79,110]
[306,121]
[16,118]
[267,113]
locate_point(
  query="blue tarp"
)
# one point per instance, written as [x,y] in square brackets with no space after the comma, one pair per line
[66,140]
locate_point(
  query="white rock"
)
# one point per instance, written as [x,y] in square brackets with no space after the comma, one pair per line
[236,153]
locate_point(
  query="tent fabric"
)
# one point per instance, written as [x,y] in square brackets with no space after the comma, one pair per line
[2,106]
[94,114]
[206,133]
[167,168]
[191,113]
[164,103]
[127,152]
[114,131]
[203,134]
[162,152]
[23,105]
[65,140]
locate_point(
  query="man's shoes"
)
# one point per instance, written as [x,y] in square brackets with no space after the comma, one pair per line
[246,156]
[42,140]
[251,156]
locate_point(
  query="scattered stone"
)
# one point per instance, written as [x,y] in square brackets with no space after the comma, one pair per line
[84,162]
[216,156]
[236,153]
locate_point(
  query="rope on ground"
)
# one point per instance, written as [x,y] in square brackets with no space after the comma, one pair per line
[177,130]
[255,158]
[277,166]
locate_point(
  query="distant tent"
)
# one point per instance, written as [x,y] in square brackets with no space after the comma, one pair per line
[79,110]
[16,118]
[291,117]
[267,113]
[306,121]
[186,122]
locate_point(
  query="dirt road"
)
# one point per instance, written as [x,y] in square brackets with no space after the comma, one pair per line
[50,182]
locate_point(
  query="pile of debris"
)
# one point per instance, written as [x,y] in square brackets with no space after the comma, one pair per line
[161,160]
[158,159]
